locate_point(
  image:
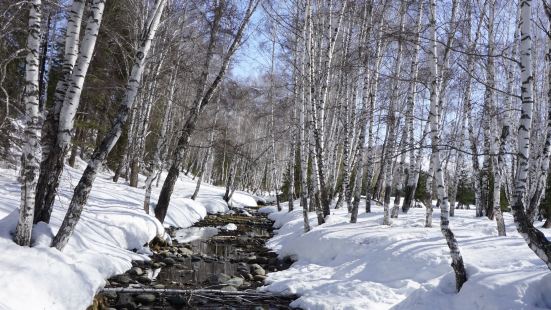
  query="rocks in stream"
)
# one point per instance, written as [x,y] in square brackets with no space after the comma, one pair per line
[229,288]
[176,300]
[220,278]
[240,253]
[137,271]
[146,298]
[185,251]
[257,270]
[169,261]
[122,279]
[235,281]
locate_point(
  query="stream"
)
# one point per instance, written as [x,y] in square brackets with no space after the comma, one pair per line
[216,264]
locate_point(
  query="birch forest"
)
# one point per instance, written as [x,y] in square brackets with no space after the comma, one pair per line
[408,140]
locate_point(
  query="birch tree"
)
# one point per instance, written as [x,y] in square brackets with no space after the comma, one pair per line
[457,259]
[84,186]
[67,112]
[30,155]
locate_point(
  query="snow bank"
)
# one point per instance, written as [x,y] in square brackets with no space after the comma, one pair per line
[405,266]
[112,232]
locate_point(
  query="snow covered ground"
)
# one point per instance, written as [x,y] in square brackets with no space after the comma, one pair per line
[405,266]
[112,231]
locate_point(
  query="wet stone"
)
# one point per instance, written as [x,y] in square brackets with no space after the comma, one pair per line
[257,270]
[122,279]
[144,279]
[110,294]
[221,278]
[229,288]
[146,298]
[136,271]
[236,281]
[176,300]
[169,261]
[259,278]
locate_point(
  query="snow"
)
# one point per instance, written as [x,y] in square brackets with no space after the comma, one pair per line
[229,227]
[113,231]
[404,266]
[195,233]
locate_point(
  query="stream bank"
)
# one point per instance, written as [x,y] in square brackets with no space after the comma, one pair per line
[220,270]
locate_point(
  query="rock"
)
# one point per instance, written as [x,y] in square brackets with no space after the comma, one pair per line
[228,288]
[165,253]
[260,278]
[185,251]
[257,270]
[136,271]
[146,298]
[176,300]
[109,294]
[130,305]
[144,279]
[220,278]
[159,286]
[169,261]
[236,281]
[195,258]
[156,265]
[122,279]
[251,258]
[249,276]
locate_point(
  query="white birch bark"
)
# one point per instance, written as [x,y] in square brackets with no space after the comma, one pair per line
[47,183]
[457,260]
[413,174]
[83,188]
[302,128]
[535,239]
[31,152]
[491,105]
[76,82]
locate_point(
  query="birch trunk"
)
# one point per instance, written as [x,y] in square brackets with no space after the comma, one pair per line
[30,155]
[457,260]
[535,239]
[156,162]
[413,177]
[45,190]
[68,110]
[83,188]
[491,105]
[302,131]
[207,155]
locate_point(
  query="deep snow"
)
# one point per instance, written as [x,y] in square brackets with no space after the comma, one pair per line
[112,231]
[404,266]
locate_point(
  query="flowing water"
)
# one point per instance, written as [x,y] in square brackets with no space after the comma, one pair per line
[219,271]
